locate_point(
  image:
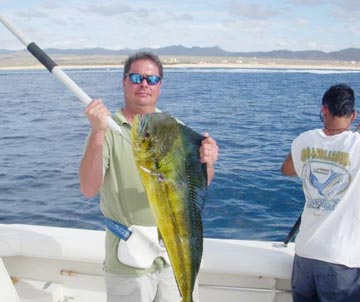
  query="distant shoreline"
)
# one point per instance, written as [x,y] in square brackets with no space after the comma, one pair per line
[209,66]
[25,61]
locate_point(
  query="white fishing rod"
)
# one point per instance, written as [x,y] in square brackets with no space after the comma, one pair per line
[54,69]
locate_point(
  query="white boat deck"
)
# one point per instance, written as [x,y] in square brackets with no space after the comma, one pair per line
[50,264]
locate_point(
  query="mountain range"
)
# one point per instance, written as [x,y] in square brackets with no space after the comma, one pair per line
[349,54]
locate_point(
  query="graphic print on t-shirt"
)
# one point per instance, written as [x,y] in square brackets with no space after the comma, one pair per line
[324,182]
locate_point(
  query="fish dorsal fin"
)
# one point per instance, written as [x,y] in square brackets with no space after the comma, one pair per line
[196,173]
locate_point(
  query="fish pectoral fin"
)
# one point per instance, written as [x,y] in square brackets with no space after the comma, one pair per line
[159,176]
[145,170]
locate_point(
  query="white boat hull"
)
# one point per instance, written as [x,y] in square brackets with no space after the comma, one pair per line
[50,264]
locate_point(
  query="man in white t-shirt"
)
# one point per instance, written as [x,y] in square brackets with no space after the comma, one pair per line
[327,247]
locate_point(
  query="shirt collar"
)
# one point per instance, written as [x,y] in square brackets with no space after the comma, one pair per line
[120,118]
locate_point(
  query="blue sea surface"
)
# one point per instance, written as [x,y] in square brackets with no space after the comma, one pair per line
[254,114]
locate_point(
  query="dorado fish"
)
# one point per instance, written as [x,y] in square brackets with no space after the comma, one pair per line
[167,156]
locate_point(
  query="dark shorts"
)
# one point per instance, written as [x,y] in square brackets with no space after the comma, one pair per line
[314,281]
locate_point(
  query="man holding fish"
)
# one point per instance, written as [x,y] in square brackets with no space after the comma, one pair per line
[137,267]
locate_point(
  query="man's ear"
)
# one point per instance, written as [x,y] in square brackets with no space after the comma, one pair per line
[322,112]
[324,109]
[354,116]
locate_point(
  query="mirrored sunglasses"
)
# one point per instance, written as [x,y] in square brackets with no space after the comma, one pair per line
[136,78]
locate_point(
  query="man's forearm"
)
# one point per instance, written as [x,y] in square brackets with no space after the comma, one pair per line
[91,166]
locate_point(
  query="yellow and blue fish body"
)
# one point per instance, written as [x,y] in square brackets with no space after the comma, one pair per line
[167,157]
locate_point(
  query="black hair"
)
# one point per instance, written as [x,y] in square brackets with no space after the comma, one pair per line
[143,56]
[340,99]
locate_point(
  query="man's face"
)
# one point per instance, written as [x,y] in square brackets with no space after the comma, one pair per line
[142,97]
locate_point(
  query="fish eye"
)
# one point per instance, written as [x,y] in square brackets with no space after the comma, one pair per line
[147,134]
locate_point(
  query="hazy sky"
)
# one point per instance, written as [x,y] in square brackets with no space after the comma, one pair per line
[234,25]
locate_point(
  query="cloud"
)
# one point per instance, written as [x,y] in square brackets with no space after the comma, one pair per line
[59,21]
[252,11]
[348,11]
[135,15]
[180,17]
[309,2]
[236,25]
[350,6]
[110,9]
[50,4]
[35,13]
[312,45]
[302,21]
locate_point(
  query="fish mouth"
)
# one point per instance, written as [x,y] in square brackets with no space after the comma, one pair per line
[142,131]
[143,123]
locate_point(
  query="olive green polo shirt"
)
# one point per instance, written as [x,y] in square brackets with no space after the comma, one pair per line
[122,195]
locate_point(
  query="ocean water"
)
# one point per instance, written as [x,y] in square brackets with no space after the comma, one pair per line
[253,114]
